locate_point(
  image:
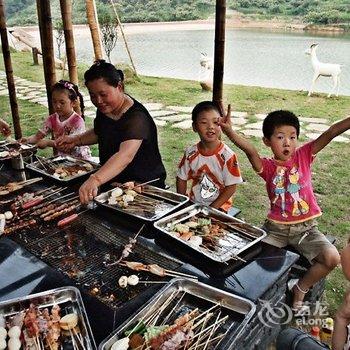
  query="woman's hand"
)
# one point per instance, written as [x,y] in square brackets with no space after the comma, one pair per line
[65,143]
[4,128]
[88,190]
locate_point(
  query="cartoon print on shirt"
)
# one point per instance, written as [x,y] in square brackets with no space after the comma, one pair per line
[207,187]
[280,191]
[293,188]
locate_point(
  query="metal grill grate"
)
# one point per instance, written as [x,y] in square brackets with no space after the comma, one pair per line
[81,251]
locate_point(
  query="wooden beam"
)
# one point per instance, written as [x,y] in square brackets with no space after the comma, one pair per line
[46,38]
[219,50]
[92,19]
[66,11]
[9,72]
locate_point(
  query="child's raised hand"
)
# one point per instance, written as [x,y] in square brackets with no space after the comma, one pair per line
[225,120]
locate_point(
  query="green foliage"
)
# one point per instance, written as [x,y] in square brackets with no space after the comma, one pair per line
[23,12]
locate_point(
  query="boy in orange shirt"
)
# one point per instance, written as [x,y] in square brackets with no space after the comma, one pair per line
[210,164]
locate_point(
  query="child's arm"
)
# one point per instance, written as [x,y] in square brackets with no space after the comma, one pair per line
[342,319]
[325,138]
[43,143]
[33,139]
[181,186]
[224,196]
[240,141]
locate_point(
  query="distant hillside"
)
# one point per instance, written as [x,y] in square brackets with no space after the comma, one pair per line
[23,12]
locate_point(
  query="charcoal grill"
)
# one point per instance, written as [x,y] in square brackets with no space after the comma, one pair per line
[240,243]
[82,250]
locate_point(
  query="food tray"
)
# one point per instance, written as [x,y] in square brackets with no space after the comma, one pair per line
[15,149]
[241,240]
[47,166]
[191,295]
[67,298]
[162,203]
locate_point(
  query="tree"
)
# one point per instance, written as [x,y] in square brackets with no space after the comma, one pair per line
[59,35]
[109,31]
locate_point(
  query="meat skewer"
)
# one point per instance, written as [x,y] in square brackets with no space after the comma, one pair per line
[39,199]
[70,219]
[154,269]
[127,248]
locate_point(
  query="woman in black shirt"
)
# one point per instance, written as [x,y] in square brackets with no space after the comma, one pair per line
[124,130]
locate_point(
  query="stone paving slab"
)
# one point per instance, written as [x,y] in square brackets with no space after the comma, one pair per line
[260,116]
[257,125]
[317,127]
[90,114]
[161,113]
[238,121]
[4,93]
[314,120]
[252,132]
[175,118]
[186,124]
[340,138]
[182,109]
[239,114]
[151,106]
[159,122]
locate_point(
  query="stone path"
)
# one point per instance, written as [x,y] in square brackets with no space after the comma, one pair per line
[178,117]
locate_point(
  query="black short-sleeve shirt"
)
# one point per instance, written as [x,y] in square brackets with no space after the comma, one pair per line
[135,124]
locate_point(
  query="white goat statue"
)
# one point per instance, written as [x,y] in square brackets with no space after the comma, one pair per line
[206,72]
[323,69]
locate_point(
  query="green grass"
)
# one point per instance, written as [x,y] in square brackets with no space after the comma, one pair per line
[330,170]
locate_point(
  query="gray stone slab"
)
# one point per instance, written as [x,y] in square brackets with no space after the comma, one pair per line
[186,124]
[257,125]
[161,113]
[252,132]
[314,120]
[260,116]
[88,103]
[317,127]
[151,106]
[238,121]
[340,138]
[182,109]
[239,114]
[159,122]
[90,114]
[4,93]
[175,118]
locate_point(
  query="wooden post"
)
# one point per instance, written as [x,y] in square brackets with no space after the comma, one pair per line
[35,52]
[219,50]
[9,72]
[46,38]
[66,11]
[91,14]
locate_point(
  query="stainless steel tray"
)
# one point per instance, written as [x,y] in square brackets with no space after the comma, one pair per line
[239,237]
[46,167]
[16,149]
[163,202]
[69,300]
[193,294]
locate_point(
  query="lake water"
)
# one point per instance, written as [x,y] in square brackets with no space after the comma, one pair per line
[252,57]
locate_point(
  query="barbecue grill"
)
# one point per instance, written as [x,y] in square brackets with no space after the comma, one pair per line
[83,251]
[237,243]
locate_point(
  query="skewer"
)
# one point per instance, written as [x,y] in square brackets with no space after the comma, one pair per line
[30,181]
[182,274]
[147,182]
[153,282]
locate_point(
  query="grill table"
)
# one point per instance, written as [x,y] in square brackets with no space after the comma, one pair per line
[21,273]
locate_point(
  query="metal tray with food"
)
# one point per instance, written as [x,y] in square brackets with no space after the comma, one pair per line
[145,202]
[208,236]
[54,319]
[186,314]
[63,168]
[12,149]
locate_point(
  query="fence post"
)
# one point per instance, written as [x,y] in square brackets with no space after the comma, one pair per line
[35,52]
